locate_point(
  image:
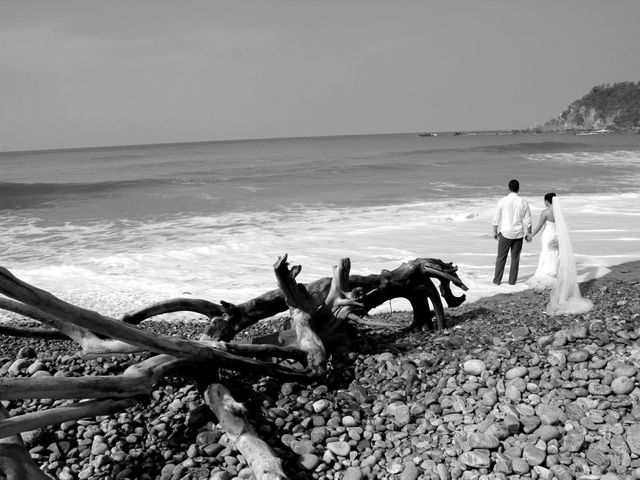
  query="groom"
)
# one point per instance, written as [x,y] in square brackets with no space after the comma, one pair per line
[510,221]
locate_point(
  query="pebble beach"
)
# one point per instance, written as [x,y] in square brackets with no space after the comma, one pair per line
[503,392]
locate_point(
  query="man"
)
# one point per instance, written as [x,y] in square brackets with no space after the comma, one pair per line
[510,222]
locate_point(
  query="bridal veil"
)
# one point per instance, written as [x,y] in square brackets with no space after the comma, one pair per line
[565,297]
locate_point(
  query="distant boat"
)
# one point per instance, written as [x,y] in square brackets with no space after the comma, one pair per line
[594,132]
[427,134]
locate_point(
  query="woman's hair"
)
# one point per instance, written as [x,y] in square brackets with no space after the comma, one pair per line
[549,197]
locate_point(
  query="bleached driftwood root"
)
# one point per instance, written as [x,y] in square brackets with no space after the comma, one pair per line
[15,462]
[412,280]
[232,416]
[322,315]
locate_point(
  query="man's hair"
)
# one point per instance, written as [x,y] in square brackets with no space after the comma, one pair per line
[514,186]
[549,197]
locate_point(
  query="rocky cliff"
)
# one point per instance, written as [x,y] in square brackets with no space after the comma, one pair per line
[606,107]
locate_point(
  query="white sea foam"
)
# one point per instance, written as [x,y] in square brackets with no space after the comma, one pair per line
[230,256]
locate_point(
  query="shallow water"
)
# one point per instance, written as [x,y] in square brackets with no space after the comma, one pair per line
[116,228]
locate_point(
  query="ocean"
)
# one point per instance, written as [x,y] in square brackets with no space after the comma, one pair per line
[117,228]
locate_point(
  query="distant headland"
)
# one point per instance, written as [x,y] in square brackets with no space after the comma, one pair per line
[606,108]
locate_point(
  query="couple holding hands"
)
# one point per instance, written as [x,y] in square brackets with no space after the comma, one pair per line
[556,265]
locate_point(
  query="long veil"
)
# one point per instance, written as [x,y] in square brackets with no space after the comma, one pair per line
[565,297]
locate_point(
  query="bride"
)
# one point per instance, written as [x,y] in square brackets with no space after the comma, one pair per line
[557,266]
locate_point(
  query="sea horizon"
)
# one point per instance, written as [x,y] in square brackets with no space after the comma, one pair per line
[507,131]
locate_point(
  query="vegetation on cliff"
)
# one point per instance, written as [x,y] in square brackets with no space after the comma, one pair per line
[606,107]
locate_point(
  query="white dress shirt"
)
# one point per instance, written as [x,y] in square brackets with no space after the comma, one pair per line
[512,216]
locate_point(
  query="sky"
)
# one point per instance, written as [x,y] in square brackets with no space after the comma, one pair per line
[96,73]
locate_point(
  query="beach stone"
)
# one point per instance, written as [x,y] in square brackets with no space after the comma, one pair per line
[300,447]
[511,423]
[513,393]
[534,455]
[27,352]
[625,371]
[529,423]
[550,414]
[208,437]
[598,455]
[542,472]
[353,473]
[35,367]
[557,359]
[578,356]
[66,474]
[516,372]
[19,365]
[394,468]
[339,448]
[573,442]
[622,385]
[497,430]
[476,459]
[596,388]
[309,461]
[520,332]
[220,475]
[410,472]
[561,472]
[401,413]
[490,398]
[548,432]
[482,440]
[632,437]
[474,367]
[320,406]
[349,421]
[98,447]
[520,466]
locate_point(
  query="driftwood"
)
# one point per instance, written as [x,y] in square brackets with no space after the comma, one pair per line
[322,318]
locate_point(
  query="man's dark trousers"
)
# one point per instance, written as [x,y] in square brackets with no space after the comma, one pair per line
[504,245]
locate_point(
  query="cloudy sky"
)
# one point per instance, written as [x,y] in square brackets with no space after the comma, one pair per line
[92,73]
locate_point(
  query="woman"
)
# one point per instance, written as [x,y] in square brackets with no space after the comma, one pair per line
[565,297]
[547,271]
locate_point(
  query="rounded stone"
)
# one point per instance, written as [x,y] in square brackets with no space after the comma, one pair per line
[353,473]
[475,459]
[622,385]
[516,372]
[548,432]
[534,455]
[474,367]
[339,448]
[321,405]
[309,461]
[578,356]
[625,371]
[410,472]
[596,388]
[482,440]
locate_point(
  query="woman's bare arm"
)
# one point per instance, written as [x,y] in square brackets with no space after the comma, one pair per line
[541,223]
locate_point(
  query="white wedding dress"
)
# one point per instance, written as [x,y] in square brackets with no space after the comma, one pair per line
[547,271]
[565,297]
